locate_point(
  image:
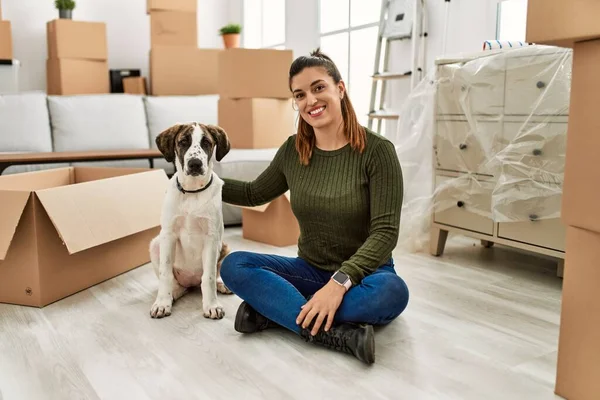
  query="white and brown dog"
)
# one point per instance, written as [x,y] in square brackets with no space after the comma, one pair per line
[189,249]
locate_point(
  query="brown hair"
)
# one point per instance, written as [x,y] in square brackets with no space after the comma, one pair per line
[305,139]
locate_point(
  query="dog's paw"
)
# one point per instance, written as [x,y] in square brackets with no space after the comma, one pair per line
[214,312]
[161,307]
[221,288]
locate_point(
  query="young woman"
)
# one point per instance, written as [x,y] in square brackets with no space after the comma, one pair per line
[346,191]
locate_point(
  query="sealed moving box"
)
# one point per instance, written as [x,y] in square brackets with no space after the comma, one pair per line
[64,230]
[273,223]
[183,70]
[77,39]
[77,58]
[247,73]
[562,22]
[173,28]
[6,45]
[256,123]
[574,24]
[172,5]
[73,76]
[134,85]
[578,369]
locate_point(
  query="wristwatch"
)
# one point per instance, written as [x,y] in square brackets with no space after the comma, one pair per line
[342,279]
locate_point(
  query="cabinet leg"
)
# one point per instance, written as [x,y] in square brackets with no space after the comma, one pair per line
[486,243]
[560,268]
[437,241]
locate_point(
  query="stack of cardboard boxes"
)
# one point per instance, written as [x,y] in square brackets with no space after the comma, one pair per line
[574,24]
[77,58]
[177,65]
[6,48]
[255,109]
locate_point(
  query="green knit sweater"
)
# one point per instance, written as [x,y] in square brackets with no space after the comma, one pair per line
[347,204]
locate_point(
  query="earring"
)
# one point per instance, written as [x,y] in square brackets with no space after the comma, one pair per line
[295,106]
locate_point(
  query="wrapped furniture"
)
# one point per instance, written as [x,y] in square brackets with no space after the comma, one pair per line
[499,135]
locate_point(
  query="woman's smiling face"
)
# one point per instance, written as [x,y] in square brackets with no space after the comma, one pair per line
[318,97]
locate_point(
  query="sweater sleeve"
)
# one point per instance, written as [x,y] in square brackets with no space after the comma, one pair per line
[270,184]
[386,191]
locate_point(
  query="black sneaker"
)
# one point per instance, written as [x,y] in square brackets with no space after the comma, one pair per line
[248,320]
[358,340]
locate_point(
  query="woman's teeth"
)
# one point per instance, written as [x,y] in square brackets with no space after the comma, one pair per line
[317,111]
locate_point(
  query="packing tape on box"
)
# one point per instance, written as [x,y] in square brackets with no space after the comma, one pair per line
[499,44]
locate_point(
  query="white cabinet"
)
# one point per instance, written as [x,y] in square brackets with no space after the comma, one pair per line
[499,147]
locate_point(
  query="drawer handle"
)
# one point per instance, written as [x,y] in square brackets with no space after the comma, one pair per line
[533,217]
[540,84]
[460,203]
[462,146]
[537,152]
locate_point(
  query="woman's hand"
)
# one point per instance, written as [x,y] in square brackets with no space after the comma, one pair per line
[322,305]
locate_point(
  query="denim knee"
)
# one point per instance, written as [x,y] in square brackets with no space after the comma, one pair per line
[230,267]
[394,297]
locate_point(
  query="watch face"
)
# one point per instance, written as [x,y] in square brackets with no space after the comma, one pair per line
[340,277]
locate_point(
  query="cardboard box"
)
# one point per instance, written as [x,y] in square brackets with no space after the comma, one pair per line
[173,28]
[70,76]
[562,22]
[183,70]
[6,45]
[264,73]
[67,229]
[134,85]
[172,5]
[273,223]
[117,76]
[256,123]
[77,39]
[581,194]
[578,366]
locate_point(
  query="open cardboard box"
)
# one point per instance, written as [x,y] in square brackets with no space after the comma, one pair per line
[273,223]
[67,229]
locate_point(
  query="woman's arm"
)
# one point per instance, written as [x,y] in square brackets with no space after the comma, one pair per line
[270,184]
[386,189]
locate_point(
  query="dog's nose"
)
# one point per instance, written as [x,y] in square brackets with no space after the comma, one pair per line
[195,165]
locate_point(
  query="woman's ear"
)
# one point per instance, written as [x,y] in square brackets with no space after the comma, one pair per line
[342,89]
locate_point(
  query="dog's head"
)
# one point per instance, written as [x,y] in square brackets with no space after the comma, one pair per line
[191,146]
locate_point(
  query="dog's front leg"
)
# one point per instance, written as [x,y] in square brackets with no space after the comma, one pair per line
[210,305]
[166,279]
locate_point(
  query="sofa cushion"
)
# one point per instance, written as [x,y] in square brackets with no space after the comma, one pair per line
[98,122]
[165,111]
[24,123]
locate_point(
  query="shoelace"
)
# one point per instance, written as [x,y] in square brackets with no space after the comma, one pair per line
[335,340]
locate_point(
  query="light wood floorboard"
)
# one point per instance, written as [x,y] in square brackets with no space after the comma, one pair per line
[481,324]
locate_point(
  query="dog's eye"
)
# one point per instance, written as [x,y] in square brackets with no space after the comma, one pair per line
[205,141]
[184,142]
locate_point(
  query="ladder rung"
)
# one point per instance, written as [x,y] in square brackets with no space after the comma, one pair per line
[398,37]
[391,75]
[383,114]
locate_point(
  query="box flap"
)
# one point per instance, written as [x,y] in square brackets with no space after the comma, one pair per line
[264,207]
[89,214]
[13,204]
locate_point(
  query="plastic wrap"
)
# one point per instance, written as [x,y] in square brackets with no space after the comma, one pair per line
[484,133]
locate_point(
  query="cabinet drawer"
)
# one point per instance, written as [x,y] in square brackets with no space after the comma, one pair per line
[538,85]
[464,202]
[549,233]
[475,87]
[537,147]
[465,147]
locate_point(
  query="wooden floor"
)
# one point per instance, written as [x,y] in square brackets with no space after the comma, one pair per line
[481,324]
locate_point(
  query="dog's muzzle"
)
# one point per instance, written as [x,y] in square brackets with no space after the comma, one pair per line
[195,167]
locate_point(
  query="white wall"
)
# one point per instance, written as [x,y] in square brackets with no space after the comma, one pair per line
[127,25]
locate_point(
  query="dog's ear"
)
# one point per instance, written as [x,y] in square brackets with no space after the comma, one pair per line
[165,142]
[220,137]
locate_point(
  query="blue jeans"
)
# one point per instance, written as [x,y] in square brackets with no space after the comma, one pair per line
[277,286]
